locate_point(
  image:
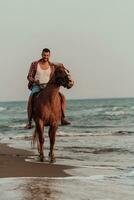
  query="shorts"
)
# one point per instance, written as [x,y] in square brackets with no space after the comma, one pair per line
[35,89]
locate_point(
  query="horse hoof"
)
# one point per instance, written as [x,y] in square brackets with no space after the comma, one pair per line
[53,160]
[42,158]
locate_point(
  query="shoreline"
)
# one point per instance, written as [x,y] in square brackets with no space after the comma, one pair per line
[13,164]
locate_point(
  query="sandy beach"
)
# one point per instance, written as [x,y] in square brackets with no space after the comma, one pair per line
[13,164]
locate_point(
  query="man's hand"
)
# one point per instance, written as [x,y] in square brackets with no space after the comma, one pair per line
[37,82]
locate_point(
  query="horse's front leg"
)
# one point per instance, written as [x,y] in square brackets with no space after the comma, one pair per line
[52,134]
[40,132]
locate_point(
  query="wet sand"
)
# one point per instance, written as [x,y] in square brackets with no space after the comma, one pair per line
[13,164]
[95,181]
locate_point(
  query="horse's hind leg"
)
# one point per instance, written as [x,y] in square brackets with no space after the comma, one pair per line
[35,140]
[40,132]
[52,134]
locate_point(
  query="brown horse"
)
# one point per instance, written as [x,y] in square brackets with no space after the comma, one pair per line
[47,109]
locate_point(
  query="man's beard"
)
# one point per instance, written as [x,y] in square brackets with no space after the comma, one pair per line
[45,59]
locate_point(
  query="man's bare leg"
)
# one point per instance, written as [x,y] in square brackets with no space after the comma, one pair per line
[29,113]
[64,121]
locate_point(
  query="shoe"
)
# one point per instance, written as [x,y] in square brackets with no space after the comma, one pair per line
[64,122]
[29,126]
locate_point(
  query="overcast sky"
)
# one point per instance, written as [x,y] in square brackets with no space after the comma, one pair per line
[94,38]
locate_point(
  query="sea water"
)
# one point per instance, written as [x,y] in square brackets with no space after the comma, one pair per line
[99,143]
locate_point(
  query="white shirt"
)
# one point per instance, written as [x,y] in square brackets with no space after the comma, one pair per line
[43,75]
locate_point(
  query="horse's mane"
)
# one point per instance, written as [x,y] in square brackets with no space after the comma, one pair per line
[57,69]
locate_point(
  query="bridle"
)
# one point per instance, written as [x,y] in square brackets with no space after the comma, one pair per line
[63,80]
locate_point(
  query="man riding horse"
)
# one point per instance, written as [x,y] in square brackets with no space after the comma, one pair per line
[39,75]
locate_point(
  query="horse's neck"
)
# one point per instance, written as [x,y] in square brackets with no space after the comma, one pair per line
[51,91]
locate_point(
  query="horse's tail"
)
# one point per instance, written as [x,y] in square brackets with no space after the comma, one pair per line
[35,139]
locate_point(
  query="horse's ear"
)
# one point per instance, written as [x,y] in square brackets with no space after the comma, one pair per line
[61,65]
[67,70]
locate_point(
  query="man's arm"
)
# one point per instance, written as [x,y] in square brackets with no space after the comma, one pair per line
[32,72]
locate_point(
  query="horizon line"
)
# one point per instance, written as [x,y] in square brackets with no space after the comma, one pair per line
[69,99]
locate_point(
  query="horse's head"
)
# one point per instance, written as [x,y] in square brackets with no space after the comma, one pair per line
[63,78]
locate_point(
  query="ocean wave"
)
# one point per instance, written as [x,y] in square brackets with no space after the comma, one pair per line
[81,134]
[98,112]
[104,131]
[10,127]
[1,136]
[97,150]
[17,126]
[4,128]
[130,174]
[89,111]
[115,108]
[70,134]
[25,136]
[94,126]
[18,120]
[132,107]
[123,133]
[73,131]
[2,108]
[116,113]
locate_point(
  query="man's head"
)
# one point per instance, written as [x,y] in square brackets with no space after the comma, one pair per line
[45,54]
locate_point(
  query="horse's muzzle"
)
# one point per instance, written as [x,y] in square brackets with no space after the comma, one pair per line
[70,84]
